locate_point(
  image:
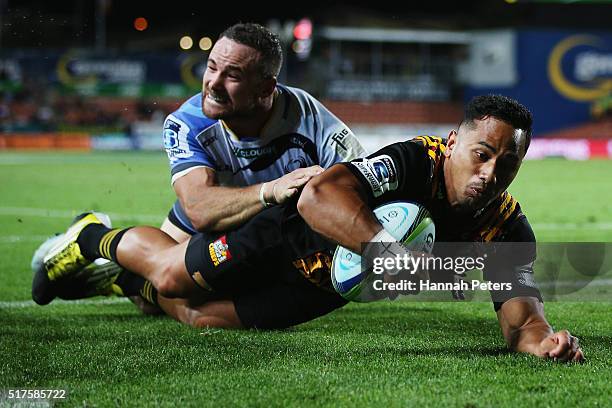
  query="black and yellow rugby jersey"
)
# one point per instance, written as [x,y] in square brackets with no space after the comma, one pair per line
[413,171]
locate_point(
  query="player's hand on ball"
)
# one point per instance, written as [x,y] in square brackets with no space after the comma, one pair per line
[280,190]
[393,262]
[416,276]
[561,346]
[389,262]
[403,275]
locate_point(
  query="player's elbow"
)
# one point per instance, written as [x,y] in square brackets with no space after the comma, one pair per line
[200,220]
[203,224]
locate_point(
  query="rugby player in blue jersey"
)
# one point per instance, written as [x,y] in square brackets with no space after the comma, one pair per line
[243,144]
[246,141]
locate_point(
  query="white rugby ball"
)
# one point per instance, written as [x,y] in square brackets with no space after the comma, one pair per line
[408,223]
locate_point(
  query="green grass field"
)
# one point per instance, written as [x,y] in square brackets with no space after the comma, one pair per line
[104,353]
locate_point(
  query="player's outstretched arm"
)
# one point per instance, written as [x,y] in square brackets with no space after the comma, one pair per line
[334,205]
[211,207]
[526,330]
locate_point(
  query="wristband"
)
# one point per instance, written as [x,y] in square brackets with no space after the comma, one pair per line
[262,200]
[374,248]
[383,236]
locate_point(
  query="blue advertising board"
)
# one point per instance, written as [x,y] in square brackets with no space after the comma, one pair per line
[561,74]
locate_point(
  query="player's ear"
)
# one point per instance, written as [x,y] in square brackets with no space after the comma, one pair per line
[268,85]
[450,142]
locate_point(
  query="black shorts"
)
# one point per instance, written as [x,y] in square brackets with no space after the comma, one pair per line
[271,287]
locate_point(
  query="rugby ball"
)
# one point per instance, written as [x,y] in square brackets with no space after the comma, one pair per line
[408,223]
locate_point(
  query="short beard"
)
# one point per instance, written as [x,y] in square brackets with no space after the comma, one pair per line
[233,114]
[203,106]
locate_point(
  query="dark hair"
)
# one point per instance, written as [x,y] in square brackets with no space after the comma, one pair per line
[502,108]
[263,40]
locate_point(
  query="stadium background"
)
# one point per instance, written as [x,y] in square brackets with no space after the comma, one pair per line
[84,88]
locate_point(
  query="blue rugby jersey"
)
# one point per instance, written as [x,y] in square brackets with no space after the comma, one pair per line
[301,132]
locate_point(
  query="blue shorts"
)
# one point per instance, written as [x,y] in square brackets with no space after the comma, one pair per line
[179,218]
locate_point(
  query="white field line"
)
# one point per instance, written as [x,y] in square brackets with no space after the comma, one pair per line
[12,239]
[42,159]
[41,212]
[157,219]
[20,304]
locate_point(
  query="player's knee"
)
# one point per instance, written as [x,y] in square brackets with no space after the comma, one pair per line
[203,322]
[168,284]
[217,314]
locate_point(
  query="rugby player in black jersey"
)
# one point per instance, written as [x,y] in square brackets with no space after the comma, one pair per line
[274,271]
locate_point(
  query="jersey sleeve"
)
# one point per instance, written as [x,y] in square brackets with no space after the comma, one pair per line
[512,264]
[337,142]
[183,148]
[398,171]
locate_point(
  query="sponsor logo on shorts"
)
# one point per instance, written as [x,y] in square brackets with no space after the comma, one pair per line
[380,173]
[316,268]
[219,251]
[199,279]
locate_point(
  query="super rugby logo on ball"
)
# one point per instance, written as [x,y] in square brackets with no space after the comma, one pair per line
[408,223]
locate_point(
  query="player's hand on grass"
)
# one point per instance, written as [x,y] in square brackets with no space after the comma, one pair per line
[561,346]
[458,278]
[283,188]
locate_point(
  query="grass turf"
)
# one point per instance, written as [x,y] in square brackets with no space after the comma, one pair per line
[391,354]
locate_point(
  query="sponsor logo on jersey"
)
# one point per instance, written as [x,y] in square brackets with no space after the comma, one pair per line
[294,164]
[171,130]
[300,141]
[250,153]
[381,170]
[219,251]
[345,144]
[207,142]
[273,151]
[380,173]
[175,139]
[339,138]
